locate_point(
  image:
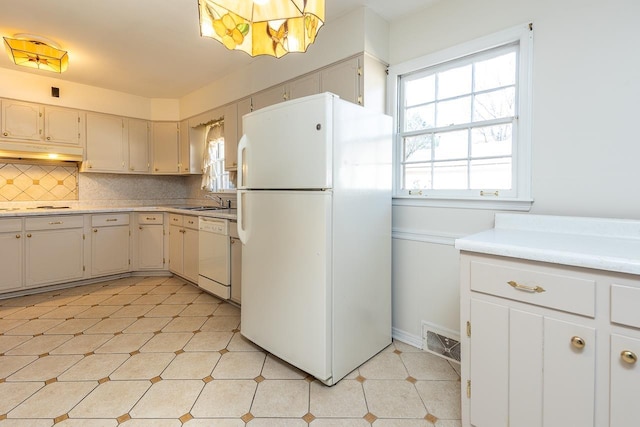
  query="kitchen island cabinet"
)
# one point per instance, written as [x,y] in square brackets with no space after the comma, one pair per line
[550,326]
[54,249]
[110,244]
[11,254]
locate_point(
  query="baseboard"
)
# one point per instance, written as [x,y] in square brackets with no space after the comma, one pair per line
[407,338]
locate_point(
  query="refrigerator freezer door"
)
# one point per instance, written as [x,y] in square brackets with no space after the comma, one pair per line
[288,145]
[286,273]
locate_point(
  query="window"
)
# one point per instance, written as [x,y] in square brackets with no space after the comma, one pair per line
[214,177]
[463,122]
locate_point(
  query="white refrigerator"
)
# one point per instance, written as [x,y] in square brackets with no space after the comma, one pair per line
[314,217]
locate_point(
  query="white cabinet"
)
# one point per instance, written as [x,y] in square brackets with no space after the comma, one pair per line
[54,249]
[231,137]
[149,241]
[243,107]
[138,140]
[62,125]
[11,254]
[304,86]
[548,345]
[267,97]
[191,148]
[236,263]
[166,152]
[110,244]
[21,120]
[106,143]
[183,246]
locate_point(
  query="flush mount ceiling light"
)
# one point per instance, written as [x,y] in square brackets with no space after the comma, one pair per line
[262,27]
[36,52]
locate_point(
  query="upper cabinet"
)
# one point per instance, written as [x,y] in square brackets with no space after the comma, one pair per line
[106,143]
[191,148]
[62,125]
[166,148]
[231,137]
[138,139]
[21,120]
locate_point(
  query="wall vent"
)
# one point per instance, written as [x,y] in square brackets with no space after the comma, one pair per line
[441,341]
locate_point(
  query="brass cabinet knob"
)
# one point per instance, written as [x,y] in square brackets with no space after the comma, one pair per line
[95,230]
[578,342]
[5,133]
[29,235]
[628,357]
[140,227]
[48,138]
[17,236]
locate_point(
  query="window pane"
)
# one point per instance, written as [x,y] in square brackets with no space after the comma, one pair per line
[494,105]
[454,112]
[418,148]
[494,174]
[450,175]
[419,118]
[417,177]
[454,82]
[420,91]
[452,145]
[489,141]
[495,72]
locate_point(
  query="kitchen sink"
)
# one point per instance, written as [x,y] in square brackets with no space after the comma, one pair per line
[199,208]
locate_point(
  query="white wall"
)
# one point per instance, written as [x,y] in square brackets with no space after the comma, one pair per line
[585,146]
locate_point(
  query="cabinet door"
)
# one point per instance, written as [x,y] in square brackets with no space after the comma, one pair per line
[244,107]
[236,270]
[138,138]
[11,260]
[53,256]
[569,374]
[109,250]
[231,137]
[269,97]
[62,125]
[304,86]
[344,80]
[184,149]
[165,147]
[625,380]
[190,254]
[176,248]
[106,143]
[21,120]
[150,247]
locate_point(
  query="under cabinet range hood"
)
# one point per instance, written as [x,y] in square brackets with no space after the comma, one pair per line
[12,150]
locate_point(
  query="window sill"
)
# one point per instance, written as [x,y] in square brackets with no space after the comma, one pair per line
[521,205]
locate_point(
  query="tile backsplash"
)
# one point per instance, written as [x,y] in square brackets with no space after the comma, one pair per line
[42,181]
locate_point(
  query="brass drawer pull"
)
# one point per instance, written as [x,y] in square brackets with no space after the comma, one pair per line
[516,285]
[151,218]
[628,357]
[111,219]
[578,342]
[55,222]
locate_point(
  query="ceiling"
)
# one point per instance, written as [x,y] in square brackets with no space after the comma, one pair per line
[150,48]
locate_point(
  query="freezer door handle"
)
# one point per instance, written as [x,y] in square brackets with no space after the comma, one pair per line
[242,231]
[242,146]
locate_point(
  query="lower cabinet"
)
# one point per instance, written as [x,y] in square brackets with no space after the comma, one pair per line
[546,345]
[183,246]
[11,254]
[110,241]
[54,249]
[149,241]
[236,263]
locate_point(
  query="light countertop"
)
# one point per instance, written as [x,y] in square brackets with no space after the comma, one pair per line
[598,243]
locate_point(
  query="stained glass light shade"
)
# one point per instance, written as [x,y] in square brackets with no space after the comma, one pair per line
[36,54]
[262,27]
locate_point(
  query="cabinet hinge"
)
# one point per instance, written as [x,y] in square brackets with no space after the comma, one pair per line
[359,71]
[83,268]
[129,262]
[83,236]
[164,261]
[469,389]
[468,328]
[78,119]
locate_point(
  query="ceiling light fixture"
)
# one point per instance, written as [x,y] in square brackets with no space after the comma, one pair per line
[38,52]
[262,27]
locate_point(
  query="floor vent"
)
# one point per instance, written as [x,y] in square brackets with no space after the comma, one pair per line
[441,342]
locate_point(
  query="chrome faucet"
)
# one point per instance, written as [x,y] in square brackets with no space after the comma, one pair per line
[215,197]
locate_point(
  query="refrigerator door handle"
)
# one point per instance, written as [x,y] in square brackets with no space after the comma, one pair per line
[242,232]
[242,146]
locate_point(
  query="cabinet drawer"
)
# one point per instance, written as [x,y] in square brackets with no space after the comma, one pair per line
[554,290]
[54,222]
[191,222]
[109,220]
[175,219]
[625,301]
[150,218]
[10,225]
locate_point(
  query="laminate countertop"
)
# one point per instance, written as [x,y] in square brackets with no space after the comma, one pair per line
[599,243]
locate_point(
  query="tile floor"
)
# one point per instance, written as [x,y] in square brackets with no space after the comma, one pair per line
[159,352]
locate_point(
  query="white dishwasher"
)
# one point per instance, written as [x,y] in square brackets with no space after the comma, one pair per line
[214,256]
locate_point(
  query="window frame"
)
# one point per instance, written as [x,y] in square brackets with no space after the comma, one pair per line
[519,197]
